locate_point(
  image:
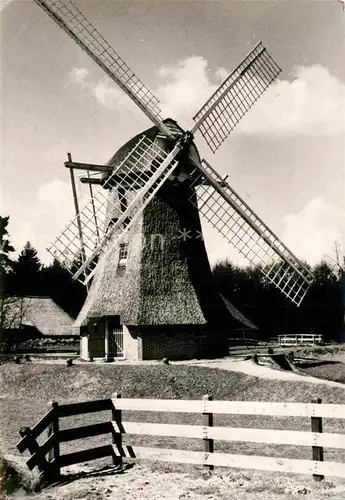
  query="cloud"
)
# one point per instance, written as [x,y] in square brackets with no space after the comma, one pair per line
[51,208]
[187,86]
[4,4]
[79,75]
[103,90]
[313,103]
[182,90]
[312,232]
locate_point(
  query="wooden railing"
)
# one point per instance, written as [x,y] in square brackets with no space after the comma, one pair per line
[301,338]
[51,465]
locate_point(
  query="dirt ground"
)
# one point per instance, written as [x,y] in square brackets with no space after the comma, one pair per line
[155,483]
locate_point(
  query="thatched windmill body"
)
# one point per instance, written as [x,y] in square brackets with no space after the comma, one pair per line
[158,281]
[139,242]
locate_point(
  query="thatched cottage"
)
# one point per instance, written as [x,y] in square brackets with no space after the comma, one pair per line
[39,316]
[154,296]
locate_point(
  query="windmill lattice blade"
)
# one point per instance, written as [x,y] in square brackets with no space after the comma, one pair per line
[142,173]
[241,227]
[237,94]
[77,26]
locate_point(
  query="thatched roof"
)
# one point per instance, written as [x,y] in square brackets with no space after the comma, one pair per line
[114,292]
[42,313]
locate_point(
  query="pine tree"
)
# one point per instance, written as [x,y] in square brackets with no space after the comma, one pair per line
[27,272]
[59,285]
[5,246]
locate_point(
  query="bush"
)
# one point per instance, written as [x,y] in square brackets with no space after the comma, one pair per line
[11,479]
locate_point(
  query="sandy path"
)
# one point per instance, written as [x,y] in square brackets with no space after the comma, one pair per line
[250,368]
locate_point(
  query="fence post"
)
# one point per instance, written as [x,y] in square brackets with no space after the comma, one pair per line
[116,416]
[316,426]
[207,421]
[54,452]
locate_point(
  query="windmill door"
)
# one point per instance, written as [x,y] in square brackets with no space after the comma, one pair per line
[118,350]
[115,337]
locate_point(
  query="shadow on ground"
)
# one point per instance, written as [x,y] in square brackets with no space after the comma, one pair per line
[100,472]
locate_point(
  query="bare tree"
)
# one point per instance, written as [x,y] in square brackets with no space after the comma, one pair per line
[12,312]
[338,259]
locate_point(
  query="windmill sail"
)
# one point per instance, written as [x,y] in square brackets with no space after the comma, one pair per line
[241,227]
[142,172]
[79,28]
[237,94]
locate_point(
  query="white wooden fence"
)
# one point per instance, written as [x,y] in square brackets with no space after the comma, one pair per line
[207,432]
[316,440]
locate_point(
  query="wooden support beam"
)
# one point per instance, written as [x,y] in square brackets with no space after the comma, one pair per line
[91,180]
[69,409]
[88,166]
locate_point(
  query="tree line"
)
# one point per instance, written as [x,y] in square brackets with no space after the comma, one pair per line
[28,276]
[321,312]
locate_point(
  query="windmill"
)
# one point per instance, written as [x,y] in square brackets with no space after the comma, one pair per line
[156,186]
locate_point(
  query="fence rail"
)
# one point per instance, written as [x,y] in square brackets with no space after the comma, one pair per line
[48,459]
[297,339]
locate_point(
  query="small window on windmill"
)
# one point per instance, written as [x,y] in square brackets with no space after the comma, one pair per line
[123,254]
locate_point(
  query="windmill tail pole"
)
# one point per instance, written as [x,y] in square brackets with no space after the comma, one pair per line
[93,207]
[76,207]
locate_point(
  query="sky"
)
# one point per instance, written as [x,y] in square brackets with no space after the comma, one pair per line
[286,158]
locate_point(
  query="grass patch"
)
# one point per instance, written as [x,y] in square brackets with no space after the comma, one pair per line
[13,479]
[9,477]
[327,371]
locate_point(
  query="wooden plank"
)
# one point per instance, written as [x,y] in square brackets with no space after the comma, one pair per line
[70,409]
[149,429]
[268,436]
[34,448]
[91,180]
[86,455]
[88,166]
[43,423]
[36,431]
[23,444]
[160,405]
[241,461]
[233,407]
[41,451]
[85,431]
[277,409]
